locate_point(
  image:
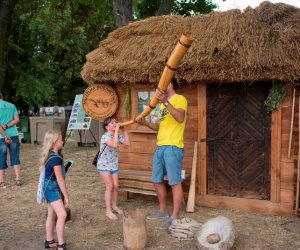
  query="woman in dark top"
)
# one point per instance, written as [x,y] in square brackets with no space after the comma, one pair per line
[55,189]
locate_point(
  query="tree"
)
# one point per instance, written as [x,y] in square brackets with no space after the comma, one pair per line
[193,7]
[48,44]
[147,8]
[122,11]
[165,7]
[6,9]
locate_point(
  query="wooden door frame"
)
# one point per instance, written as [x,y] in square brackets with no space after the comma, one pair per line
[202,177]
[275,148]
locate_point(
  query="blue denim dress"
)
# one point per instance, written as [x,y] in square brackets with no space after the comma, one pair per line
[51,188]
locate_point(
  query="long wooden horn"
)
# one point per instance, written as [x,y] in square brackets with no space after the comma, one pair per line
[177,54]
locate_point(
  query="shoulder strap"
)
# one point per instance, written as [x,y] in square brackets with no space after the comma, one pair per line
[54,155]
[102,152]
[51,156]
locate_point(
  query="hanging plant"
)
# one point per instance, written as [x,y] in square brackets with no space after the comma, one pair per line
[126,104]
[276,95]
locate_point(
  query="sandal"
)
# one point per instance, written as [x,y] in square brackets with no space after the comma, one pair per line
[62,246]
[19,182]
[117,210]
[111,215]
[50,242]
[2,184]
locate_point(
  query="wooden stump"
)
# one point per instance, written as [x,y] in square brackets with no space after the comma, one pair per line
[134,230]
[216,233]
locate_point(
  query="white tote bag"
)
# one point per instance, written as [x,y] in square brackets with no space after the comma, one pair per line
[40,197]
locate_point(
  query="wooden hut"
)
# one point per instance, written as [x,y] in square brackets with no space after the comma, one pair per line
[234,61]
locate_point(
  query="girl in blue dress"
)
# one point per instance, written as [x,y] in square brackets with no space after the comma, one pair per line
[55,190]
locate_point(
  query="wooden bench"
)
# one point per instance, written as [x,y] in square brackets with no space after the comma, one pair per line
[138,181]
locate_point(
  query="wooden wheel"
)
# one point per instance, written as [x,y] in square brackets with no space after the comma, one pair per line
[100,101]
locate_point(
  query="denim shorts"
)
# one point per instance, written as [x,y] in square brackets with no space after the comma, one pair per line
[167,160]
[52,191]
[108,171]
[14,152]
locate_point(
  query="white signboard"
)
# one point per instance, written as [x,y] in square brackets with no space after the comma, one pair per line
[78,118]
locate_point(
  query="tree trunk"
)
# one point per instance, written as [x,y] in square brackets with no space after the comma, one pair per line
[122,10]
[165,7]
[6,10]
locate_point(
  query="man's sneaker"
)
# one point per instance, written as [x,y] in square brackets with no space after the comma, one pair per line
[158,215]
[167,224]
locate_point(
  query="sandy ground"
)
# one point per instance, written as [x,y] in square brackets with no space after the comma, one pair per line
[22,219]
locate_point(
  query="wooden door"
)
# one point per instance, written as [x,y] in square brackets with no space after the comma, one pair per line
[238,141]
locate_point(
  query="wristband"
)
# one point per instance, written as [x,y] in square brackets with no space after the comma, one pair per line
[166,103]
[6,126]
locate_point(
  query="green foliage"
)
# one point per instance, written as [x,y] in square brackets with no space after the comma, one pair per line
[147,8]
[49,40]
[126,104]
[47,48]
[193,7]
[276,95]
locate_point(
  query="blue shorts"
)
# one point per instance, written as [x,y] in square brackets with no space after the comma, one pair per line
[14,152]
[167,160]
[108,171]
[52,191]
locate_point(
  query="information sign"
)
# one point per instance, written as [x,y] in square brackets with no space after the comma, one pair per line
[79,119]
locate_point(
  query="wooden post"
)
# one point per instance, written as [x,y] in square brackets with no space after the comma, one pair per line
[191,199]
[298,165]
[292,123]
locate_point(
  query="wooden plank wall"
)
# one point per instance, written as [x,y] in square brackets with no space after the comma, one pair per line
[143,141]
[288,165]
[139,155]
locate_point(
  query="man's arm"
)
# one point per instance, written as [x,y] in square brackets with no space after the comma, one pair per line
[12,123]
[153,126]
[2,132]
[6,137]
[178,114]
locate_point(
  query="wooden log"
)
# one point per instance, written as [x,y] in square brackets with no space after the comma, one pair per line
[134,230]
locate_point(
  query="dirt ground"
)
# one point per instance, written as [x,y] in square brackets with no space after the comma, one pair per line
[22,220]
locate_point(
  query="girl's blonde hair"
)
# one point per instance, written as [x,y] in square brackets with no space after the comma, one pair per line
[50,138]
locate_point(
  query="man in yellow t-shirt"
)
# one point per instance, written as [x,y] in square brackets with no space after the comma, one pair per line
[168,156]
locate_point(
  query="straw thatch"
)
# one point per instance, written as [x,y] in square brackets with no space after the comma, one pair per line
[261,44]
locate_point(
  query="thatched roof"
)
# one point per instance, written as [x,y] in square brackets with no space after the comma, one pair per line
[261,44]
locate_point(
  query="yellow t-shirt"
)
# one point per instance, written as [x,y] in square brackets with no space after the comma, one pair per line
[170,132]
